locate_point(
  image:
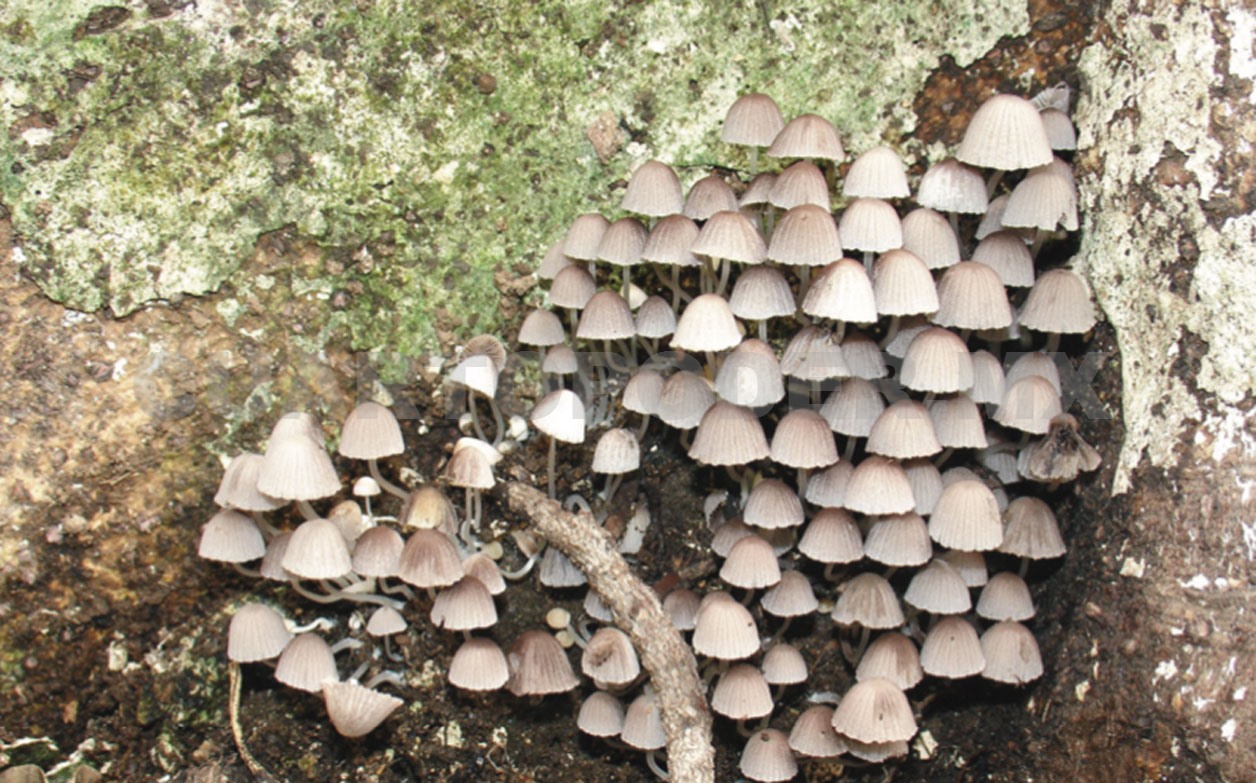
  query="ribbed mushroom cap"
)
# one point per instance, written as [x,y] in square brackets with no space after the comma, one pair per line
[842,292]
[584,236]
[297,467]
[773,504]
[799,184]
[557,570]
[879,486]
[992,221]
[812,355]
[1030,530]
[643,392]
[742,694]
[377,552]
[371,432]
[478,665]
[609,658]
[464,606]
[869,601]
[617,452]
[655,318]
[709,195]
[803,440]
[476,372]
[601,715]
[685,398]
[541,327]
[1005,133]
[428,508]
[758,191]
[730,235]
[807,136]
[853,407]
[1061,134]
[560,360]
[553,262]
[306,663]
[938,589]
[728,435]
[750,375]
[469,468]
[482,567]
[875,710]
[317,551]
[727,534]
[1034,363]
[643,727]
[1059,303]
[606,316]
[751,564]
[257,633]
[1042,200]
[1005,597]
[271,566]
[950,186]
[928,234]
[783,664]
[813,734]
[832,537]
[970,565]
[572,288]
[670,241]
[870,225]
[863,356]
[682,606]
[937,361]
[957,422]
[892,656]
[988,385]
[876,173]
[653,190]
[971,296]
[903,430]
[1008,255]
[623,242]
[1011,653]
[902,285]
[560,414]
[767,757]
[724,629]
[828,487]
[967,517]
[952,650]
[908,328]
[1028,405]
[792,596]
[539,666]
[707,324]
[429,560]
[299,423]
[899,540]
[753,120]
[806,235]
[238,488]
[385,621]
[926,484]
[231,537]
[356,711]
[761,292]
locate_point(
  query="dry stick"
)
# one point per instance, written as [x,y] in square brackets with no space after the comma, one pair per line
[669,661]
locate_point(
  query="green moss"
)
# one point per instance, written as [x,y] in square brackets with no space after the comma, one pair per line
[445,142]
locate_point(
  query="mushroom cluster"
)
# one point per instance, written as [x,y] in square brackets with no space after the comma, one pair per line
[877,388]
[881,382]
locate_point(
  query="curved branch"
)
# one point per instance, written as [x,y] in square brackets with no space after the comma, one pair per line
[664,654]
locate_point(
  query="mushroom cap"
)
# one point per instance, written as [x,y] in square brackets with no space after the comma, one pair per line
[842,291]
[306,663]
[429,559]
[753,120]
[875,710]
[728,435]
[899,540]
[929,235]
[1005,133]
[1011,653]
[1043,200]
[584,236]
[469,468]
[1030,530]
[685,397]
[937,361]
[967,517]
[257,633]
[560,414]
[957,422]
[751,564]
[609,658]
[767,757]
[707,324]
[385,621]
[1059,303]
[426,507]
[892,656]
[807,136]
[902,285]
[879,486]
[709,195]
[742,693]
[543,328]
[670,241]
[952,650]
[464,606]
[653,190]
[354,710]
[868,600]
[812,355]
[1005,597]
[606,316]
[853,408]
[971,296]
[806,235]
[1028,405]
[231,537]
[725,630]
[803,440]
[643,726]
[643,392]
[799,184]
[791,596]
[863,356]
[827,488]
[477,372]
[297,467]
[938,589]
[478,665]
[832,537]
[601,715]
[773,504]
[377,552]
[813,734]
[1008,255]
[572,287]
[950,186]
[904,430]
[371,432]
[750,376]
[730,235]
[617,452]
[655,318]
[876,173]
[538,666]
[317,551]
[238,488]
[870,225]
[761,292]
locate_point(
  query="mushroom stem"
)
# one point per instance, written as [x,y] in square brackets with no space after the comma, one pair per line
[307,511]
[389,487]
[1023,571]
[475,417]
[643,426]
[549,463]
[333,595]
[387,677]
[891,331]
[1053,343]
[246,571]
[653,764]
[943,456]
[269,531]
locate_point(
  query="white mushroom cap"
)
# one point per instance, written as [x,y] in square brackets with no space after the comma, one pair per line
[753,120]
[355,711]
[952,650]
[478,665]
[257,633]
[876,173]
[1011,653]
[653,190]
[875,710]
[306,663]
[371,432]
[1005,133]
[560,414]
[767,757]
[807,136]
